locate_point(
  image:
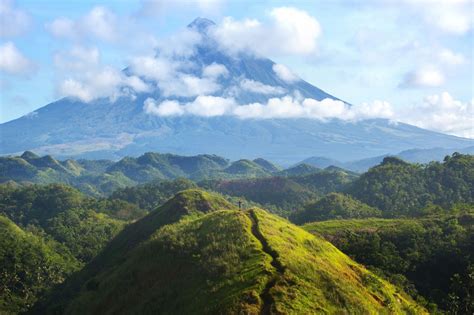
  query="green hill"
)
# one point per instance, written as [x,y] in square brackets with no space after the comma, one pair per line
[30,265]
[334,206]
[102,177]
[282,195]
[267,165]
[246,168]
[324,182]
[65,215]
[298,170]
[399,188]
[153,194]
[431,256]
[198,254]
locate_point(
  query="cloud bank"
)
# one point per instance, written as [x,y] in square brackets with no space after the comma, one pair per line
[288,106]
[439,112]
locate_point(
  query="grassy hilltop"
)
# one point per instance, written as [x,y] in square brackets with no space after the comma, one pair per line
[228,262]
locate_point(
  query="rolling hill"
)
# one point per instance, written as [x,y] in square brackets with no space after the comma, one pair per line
[102,177]
[334,206]
[198,254]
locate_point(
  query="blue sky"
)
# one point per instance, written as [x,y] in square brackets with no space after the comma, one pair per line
[415,55]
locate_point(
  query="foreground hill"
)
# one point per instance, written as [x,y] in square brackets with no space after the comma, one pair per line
[198,254]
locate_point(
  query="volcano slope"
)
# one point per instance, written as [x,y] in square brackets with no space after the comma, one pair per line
[198,254]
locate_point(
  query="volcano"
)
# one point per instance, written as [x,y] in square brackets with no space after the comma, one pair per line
[113,128]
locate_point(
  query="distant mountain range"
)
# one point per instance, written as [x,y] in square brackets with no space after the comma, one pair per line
[98,177]
[414,156]
[112,129]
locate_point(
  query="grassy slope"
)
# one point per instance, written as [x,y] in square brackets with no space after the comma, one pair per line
[326,279]
[209,261]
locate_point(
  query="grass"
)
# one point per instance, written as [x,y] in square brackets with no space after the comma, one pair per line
[319,278]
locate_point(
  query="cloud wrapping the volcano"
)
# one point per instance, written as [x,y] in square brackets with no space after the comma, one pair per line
[289,31]
[276,107]
[439,112]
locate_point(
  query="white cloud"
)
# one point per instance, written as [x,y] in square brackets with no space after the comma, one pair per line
[82,75]
[100,23]
[203,105]
[215,70]
[260,88]
[13,21]
[187,85]
[135,83]
[284,73]
[12,61]
[62,27]
[166,108]
[284,107]
[441,112]
[276,107]
[450,16]
[153,68]
[180,44]
[423,77]
[326,109]
[210,106]
[297,30]
[105,82]
[451,58]
[170,76]
[375,109]
[289,31]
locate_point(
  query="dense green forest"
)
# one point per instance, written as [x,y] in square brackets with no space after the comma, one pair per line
[51,230]
[334,206]
[431,257]
[403,189]
[31,265]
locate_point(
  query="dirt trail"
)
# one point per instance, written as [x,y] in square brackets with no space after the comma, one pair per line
[266,296]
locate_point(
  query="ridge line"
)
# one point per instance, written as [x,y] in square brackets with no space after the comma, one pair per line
[265,295]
